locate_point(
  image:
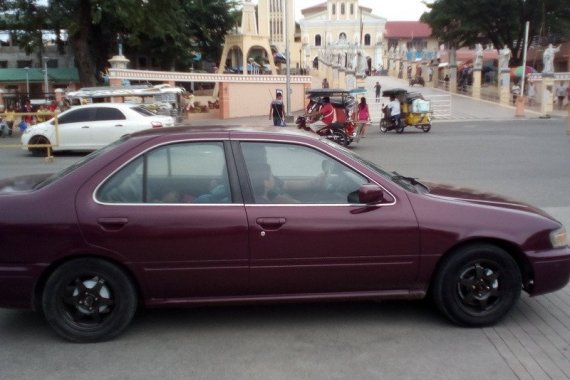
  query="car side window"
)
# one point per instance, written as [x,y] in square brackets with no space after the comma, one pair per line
[76,116]
[172,174]
[108,113]
[289,173]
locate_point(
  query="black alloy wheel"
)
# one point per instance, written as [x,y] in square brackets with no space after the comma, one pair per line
[89,300]
[477,285]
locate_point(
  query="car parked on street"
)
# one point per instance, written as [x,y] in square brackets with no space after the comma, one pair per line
[206,216]
[90,127]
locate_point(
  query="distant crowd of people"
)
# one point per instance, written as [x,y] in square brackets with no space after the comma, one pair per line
[11,122]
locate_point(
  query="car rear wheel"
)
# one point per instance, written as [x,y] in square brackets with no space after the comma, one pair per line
[89,300]
[39,151]
[477,285]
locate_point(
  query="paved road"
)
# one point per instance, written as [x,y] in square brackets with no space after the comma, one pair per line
[391,340]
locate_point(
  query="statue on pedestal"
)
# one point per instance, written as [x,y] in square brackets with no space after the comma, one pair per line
[548,59]
[504,58]
[478,64]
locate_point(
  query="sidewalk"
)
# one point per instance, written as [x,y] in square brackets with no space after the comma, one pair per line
[464,107]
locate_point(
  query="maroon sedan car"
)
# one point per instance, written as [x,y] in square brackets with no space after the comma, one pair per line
[202,216]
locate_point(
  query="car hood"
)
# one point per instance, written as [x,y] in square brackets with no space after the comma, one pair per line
[22,183]
[468,195]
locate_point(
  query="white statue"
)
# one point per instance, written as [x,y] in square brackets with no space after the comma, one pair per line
[504,58]
[360,64]
[548,58]
[404,51]
[478,57]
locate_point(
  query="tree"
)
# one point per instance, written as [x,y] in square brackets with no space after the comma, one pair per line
[167,31]
[500,22]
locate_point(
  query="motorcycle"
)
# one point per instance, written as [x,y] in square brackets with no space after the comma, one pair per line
[417,80]
[340,133]
[390,123]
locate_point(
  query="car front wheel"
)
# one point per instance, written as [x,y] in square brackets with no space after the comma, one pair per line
[477,285]
[89,300]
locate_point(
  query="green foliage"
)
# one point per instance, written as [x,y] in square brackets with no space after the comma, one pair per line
[167,31]
[500,22]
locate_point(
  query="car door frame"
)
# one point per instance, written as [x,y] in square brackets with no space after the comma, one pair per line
[331,276]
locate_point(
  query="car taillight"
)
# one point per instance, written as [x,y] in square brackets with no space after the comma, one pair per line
[156,124]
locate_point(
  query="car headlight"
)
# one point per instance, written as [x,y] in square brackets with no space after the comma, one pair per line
[559,238]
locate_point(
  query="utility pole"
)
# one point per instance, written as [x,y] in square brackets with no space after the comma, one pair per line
[287,62]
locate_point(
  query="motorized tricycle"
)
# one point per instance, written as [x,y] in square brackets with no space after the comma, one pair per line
[414,111]
[343,130]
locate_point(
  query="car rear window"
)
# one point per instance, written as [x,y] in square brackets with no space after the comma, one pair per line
[143,111]
[108,113]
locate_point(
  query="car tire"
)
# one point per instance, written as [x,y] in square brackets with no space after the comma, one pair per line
[39,152]
[426,127]
[383,126]
[477,285]
[89,300]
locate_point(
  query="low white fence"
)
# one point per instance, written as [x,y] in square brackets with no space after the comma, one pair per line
[440,106]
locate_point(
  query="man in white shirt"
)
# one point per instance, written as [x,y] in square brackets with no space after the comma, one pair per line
[394,107]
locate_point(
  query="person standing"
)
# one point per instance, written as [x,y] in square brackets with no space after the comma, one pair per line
[10,117]
[276,111]
[363,118]
[560,94]
[531,93]
[515,91]
[377,90]
[325,83]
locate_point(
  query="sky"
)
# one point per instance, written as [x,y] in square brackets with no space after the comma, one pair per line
[393,10]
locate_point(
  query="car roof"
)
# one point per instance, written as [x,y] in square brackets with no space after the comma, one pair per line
[95,105]
[226,130]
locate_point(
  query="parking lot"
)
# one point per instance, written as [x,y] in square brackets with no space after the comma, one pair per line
[525,159]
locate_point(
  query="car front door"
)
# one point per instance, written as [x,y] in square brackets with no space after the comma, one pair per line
[74,129]
[308,236]
[171,215]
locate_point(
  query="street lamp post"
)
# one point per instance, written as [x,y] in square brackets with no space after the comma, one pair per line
[46,90]
[27,82]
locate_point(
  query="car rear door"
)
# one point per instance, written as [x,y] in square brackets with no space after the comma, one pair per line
[174,217]
[307,237]
[109,124]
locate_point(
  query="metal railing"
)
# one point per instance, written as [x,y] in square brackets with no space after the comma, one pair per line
[47,115]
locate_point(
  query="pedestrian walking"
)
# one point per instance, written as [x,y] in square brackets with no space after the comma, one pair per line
[377,90]
[276,111]
[362,118]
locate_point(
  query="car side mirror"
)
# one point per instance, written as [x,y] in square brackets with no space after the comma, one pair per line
[369,193]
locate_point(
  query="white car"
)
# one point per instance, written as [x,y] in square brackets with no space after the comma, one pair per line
[91,127]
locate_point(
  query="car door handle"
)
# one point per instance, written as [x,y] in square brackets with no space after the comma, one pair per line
[112,223]
[118,125]
[270,223]
[85,127]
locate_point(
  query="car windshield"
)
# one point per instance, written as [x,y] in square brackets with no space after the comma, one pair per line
[143,111]
[407,183]
[79,163]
